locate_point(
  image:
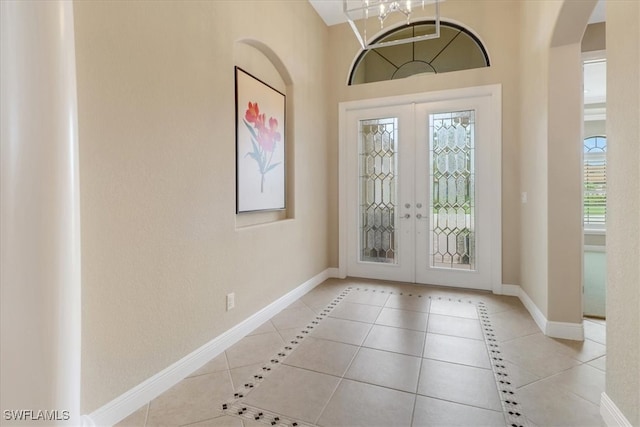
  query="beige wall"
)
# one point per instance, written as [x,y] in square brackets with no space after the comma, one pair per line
[533,63]
[551,129]
[594,37]
[595,128]
[490,20]
[39,214]
[564,187]
[160,244]
[623,205]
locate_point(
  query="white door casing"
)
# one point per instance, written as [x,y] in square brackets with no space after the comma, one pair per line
[413,260]
[402,266]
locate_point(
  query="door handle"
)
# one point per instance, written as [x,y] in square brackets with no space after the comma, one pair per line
[419,215]
[407,216]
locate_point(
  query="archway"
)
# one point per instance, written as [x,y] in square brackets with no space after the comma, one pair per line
[564,166]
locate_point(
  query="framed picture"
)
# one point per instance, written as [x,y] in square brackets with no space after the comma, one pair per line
[260,143]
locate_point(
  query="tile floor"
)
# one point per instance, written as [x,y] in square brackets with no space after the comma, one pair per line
[436,368]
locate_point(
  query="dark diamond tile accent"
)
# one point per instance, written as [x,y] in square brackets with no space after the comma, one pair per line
[513,414]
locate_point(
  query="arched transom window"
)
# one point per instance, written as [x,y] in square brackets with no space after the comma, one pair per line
[456,49]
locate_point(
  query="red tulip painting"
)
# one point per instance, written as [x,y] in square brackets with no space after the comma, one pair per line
[260,145]
[264,138]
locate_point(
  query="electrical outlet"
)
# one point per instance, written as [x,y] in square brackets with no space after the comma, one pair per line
[231,301]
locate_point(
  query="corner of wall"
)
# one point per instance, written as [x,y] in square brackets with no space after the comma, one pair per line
[562,330]
[128,402]
[610,413]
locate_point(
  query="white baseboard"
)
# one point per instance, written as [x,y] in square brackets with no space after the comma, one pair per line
[333,272]
[611,415]
[127,403]
[563,330]
[533,309]
[510,290]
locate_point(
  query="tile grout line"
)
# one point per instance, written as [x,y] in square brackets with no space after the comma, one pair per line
[342,378]
[272,418]
[355,355]
[424,346]
[146,414]
[561,371]
[234,406]
[503,384]
[521,336]
[361,346]
[489,336]
[565,388]
[512,410]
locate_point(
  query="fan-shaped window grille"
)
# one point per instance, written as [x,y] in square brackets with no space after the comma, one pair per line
[456,49]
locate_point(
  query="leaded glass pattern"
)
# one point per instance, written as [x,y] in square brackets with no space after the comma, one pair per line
[378,182]
[452,198]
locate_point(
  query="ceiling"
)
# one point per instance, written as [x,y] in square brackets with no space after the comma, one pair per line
[331,10]
[598,14]
[595,82]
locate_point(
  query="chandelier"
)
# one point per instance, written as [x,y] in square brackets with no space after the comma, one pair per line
[359,11]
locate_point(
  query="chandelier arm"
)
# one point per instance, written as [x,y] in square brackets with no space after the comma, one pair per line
[385,8]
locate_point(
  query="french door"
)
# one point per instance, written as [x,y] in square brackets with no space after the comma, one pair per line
[420,192]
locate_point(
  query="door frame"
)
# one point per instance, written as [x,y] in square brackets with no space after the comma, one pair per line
[403,269]
[494,93]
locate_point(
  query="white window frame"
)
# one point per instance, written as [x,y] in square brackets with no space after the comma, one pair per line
[594,228]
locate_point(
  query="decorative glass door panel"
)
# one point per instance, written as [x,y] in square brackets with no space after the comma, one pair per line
[455,234]
[452,207]
[380,237]
[378,164]
[420,193]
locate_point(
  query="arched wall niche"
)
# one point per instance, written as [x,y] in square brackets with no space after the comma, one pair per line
[258,59]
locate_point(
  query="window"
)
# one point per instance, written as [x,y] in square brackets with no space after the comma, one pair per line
[595,182]
[456,49]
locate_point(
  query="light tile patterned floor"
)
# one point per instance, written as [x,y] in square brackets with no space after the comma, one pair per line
[381,359]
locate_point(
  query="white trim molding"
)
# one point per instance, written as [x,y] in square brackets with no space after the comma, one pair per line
[611,415]
[509,290]
[127,403]
[533,309]
[494,94]
[563,330]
